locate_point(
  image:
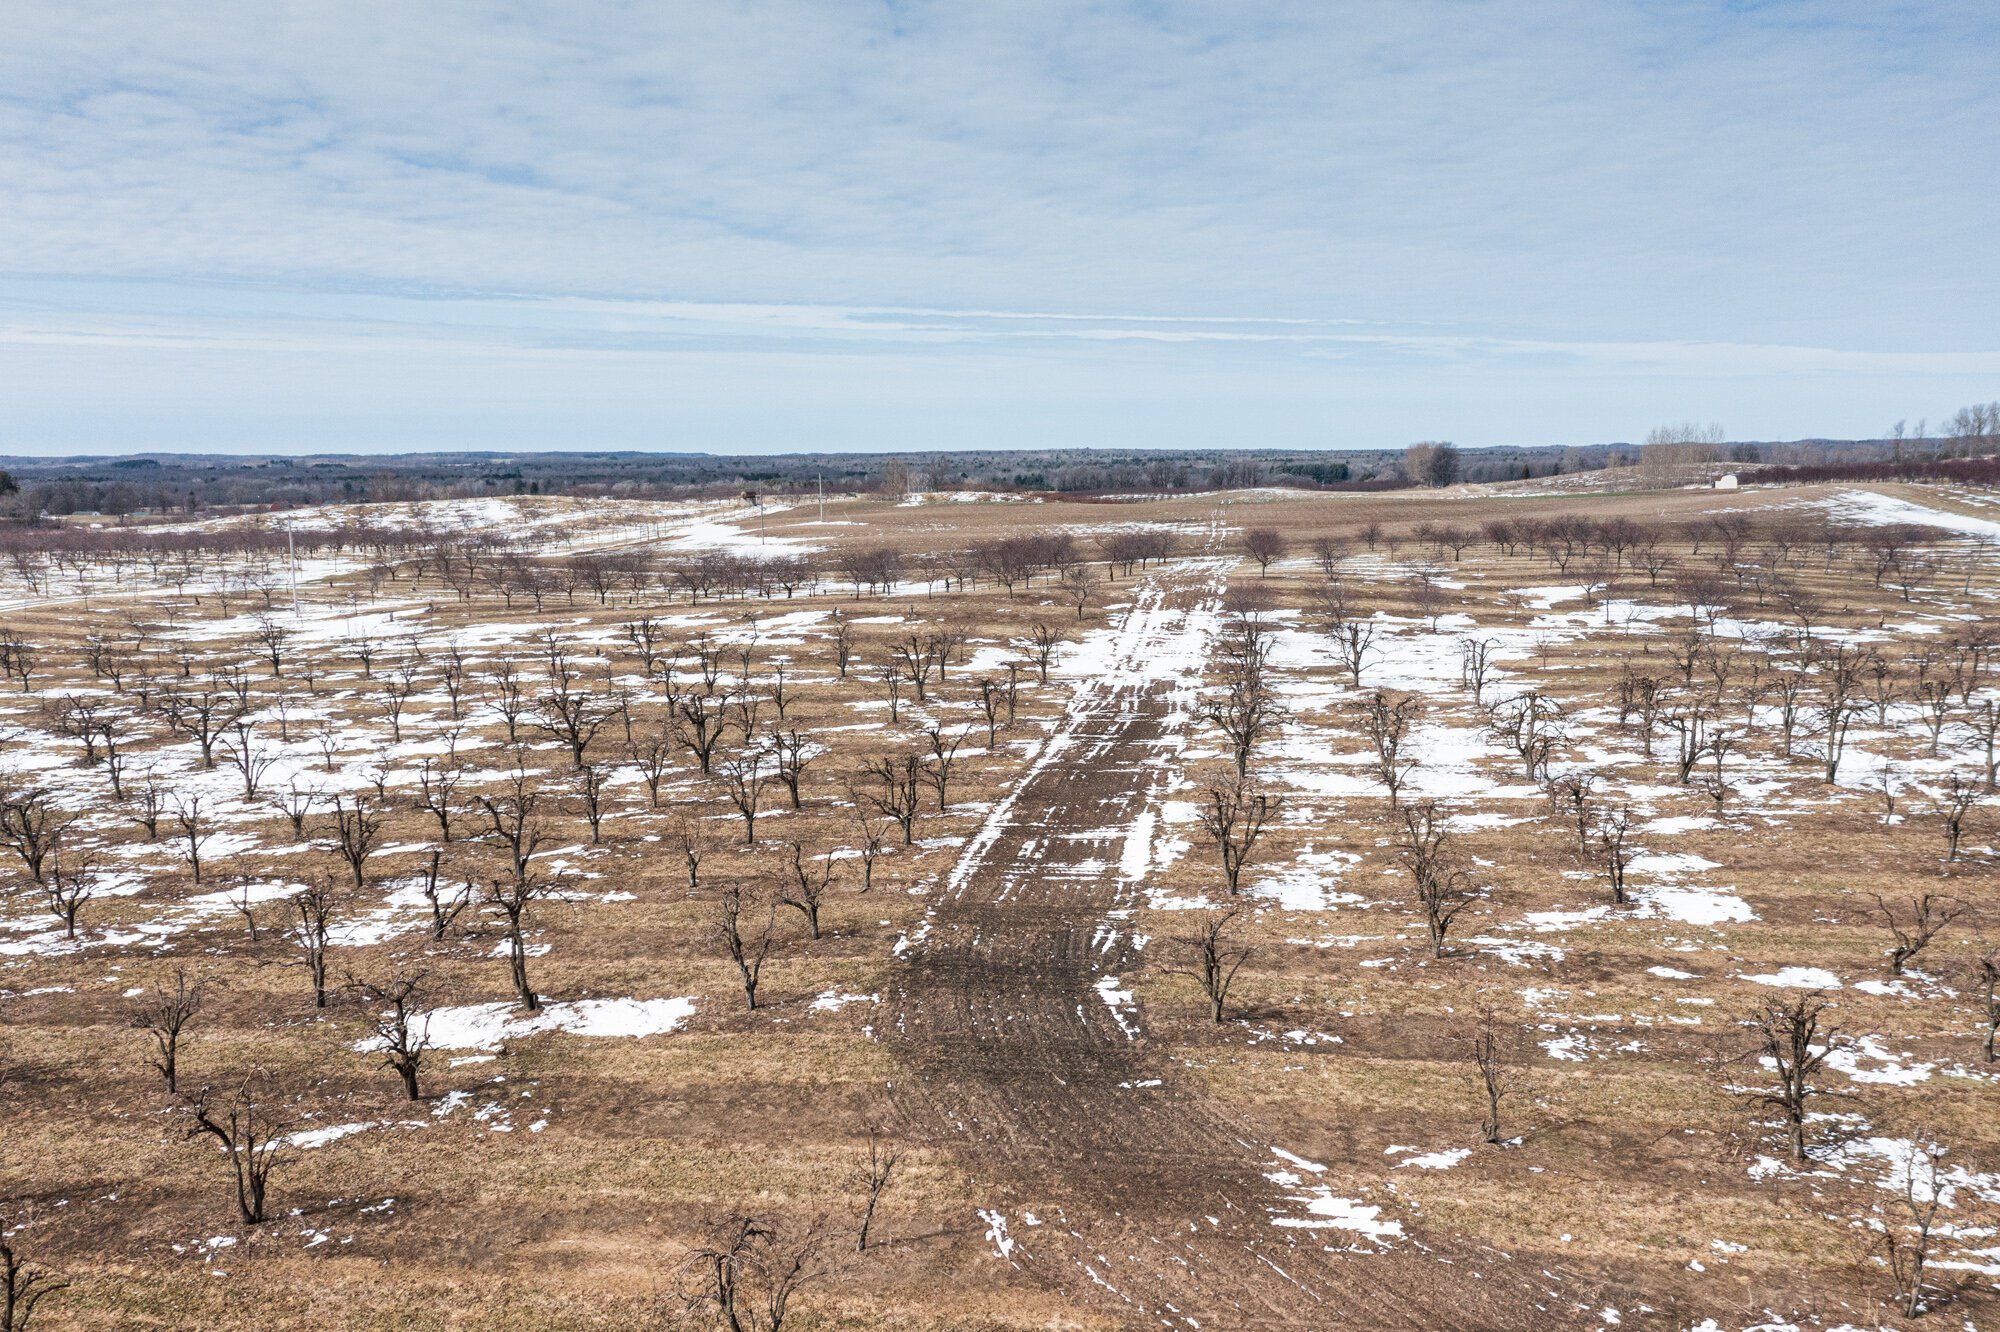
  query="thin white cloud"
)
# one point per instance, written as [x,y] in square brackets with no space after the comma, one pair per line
[655,330]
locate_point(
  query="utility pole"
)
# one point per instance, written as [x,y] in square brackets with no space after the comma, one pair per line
[822,497]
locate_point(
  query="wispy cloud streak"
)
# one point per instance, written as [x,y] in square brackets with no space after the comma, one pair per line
[1386,220]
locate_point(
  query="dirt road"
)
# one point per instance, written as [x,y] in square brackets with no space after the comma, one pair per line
[1115,1179]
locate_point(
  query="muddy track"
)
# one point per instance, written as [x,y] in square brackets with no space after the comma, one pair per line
[1150,1199]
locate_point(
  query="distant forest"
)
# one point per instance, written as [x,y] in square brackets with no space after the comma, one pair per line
[180,484]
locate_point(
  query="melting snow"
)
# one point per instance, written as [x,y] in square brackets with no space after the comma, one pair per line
[1697,906]
[320,1137]
[996,1234]
[488,1026]
[1324,1210]
[831,1001]
[1799,978]
[1443,1160]
[1119,1002]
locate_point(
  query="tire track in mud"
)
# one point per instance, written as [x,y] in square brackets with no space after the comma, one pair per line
[1115,1180]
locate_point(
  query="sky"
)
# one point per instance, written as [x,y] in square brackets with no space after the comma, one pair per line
[743,228]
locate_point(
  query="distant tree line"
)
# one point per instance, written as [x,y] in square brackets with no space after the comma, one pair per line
[183,484]
[1962,471]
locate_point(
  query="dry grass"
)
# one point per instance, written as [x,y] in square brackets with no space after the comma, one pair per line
[570,1203]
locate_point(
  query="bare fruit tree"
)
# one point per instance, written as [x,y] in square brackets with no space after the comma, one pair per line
[69,884]
[937,768]
[992,697]
[163,1014]
[1929,914]
[195,832]
[250,1135]
[151,803]
[1793,1042]
[1989,987]
[1264,545]
[1609,840]
[902,780]
[1043,641]
[295,802]
[243,900]
[698,723]
[31,826]
[437,793]
[750,1270]
[509,699]
[251,759]
[869,834]
[1245,708]
[24,1284]
[805,884]
[509,900]
[744,777]
[590,783]
[1387,718]
[402,1027]
[794,751]
[446,905]
[748,943]
[571,717]
[694,852]
[356,829]
[312,910]
[1234,817]
[1213,957]
[873,1179]
[1922,1186]
[1475,666]
[1353,642]
[1953,803]
[842,635]
[514,821]
[1079,587]
[653,757]
[1572,795]
[1496,1077]
[1430,854]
